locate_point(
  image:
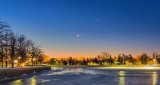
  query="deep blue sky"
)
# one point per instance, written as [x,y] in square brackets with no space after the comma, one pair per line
[114,26]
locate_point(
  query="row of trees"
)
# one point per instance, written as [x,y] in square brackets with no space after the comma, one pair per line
[15,46]
[106,59]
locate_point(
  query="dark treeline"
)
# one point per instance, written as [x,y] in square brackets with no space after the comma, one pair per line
[106,59]
[16,49]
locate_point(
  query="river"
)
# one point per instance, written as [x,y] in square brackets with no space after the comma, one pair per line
[88,76]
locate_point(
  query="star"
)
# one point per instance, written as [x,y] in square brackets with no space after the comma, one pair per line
[77,35]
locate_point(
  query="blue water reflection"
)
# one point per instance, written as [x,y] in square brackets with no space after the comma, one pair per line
[87,76]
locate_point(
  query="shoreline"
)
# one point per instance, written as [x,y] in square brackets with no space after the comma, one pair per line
[122,67]
[11,73]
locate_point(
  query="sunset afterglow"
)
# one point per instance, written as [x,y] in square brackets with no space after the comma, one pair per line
[86,28]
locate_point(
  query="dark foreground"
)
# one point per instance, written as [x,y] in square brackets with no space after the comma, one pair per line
[88,76]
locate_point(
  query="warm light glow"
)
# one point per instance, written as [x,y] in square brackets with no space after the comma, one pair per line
[122,78]
[150,67]
[15,61]
[33,80]
[154,78]
[34,59]
[121,73]
[19,57]
[17,82]
[23,64]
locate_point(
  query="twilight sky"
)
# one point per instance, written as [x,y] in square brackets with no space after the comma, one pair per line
[86,27]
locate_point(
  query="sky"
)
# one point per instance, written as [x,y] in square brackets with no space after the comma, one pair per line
[86,28]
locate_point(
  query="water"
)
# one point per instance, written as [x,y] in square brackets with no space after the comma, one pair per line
[88,76]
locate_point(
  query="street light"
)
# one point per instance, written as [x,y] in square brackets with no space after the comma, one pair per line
[154,61]
[19,62]
[19,57]
[34,60]
[15,61]
[122,55]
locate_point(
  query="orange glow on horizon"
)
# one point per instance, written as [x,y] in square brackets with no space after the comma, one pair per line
[57,54]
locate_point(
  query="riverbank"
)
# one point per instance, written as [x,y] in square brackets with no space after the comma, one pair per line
[87,76]
[6,73]
[118,67]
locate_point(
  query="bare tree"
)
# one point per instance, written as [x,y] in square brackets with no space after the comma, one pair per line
[34,52]
[13,46]
[144,58]
[3,28]
[22,48]
[40,56]
[6,45]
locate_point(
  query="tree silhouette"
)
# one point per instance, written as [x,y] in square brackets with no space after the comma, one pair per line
[12,44]
[144,58]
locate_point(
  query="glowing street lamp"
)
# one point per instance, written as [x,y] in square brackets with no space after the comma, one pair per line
[34,59]
[15,61]
[154,61]
[19,57]
[19,63]
[121,55]
[123,58]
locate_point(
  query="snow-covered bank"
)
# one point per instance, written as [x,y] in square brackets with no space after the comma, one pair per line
[13,72]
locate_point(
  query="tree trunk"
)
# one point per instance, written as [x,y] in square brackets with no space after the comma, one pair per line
[2,56]
[32,61]
[12,61]
[6,63]
[6,60]
[12,56]
[2,59]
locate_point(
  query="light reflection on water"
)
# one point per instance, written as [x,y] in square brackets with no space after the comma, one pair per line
[86,76]
[148,78]
[154,78]
[30,81]
[17,82]
[122,78]
[33,80]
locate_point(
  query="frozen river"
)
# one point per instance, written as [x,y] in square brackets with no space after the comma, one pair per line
[88,76]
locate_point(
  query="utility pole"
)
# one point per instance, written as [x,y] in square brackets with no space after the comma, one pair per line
[123,59]
[122,55]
